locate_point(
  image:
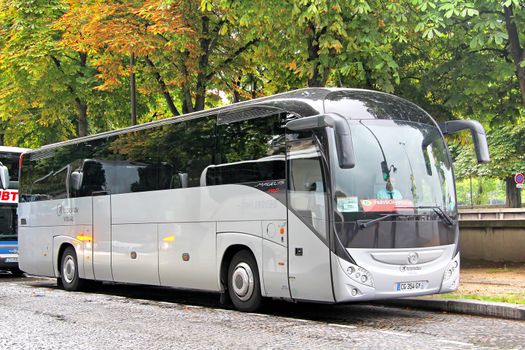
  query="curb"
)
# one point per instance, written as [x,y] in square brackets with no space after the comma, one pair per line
[462,306]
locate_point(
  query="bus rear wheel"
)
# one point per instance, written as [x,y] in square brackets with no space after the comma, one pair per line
[69,271]
[244,285]
[17,272]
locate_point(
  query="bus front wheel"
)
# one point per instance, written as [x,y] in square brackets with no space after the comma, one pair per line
[69,270]
[244,285]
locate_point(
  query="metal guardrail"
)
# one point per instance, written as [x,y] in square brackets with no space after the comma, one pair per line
[493,234]
[492,217]
[492,214]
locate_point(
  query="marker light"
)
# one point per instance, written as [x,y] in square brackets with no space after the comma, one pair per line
[82,238]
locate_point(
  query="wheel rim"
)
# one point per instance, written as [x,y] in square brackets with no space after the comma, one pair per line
[68,269]
[243,282]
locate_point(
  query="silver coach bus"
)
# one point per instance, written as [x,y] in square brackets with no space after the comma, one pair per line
[323,195]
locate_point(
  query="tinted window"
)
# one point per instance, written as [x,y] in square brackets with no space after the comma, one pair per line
[176,155]
[186,149]
[47,178]
[249,151]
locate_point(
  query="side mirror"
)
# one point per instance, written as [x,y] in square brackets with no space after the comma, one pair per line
[76,180]
[343,137]
[478,135]
[4,176]
[183,177]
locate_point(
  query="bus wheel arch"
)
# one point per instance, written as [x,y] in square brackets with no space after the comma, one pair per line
[240,278]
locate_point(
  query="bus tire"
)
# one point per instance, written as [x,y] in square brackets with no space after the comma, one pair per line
[17,272]
[69,271]
[244,285]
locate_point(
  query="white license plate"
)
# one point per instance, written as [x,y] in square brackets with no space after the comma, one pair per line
[11,260]
[409,286]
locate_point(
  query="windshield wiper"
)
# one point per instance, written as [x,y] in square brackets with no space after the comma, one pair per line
[440,212]
[366,223]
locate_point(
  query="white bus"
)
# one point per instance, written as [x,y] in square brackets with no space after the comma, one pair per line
[9,162]
[323,195]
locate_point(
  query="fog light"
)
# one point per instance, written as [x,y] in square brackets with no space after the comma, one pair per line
[354,292]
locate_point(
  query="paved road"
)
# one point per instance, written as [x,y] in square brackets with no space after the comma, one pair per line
[35,314]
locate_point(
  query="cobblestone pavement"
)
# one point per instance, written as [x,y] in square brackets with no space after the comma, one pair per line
[35,314]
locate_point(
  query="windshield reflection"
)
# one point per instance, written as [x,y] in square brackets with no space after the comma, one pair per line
[400,193]
[399,165]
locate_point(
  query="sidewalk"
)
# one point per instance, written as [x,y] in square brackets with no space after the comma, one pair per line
[487,289]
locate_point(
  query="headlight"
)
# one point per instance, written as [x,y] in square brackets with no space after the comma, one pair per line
[360,275]
[451,268]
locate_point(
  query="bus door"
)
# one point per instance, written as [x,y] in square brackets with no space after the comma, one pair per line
[308,252]
[102,237]
[91,183]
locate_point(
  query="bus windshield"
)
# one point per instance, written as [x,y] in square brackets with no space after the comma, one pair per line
[400,165]
[11,161]
[8,223]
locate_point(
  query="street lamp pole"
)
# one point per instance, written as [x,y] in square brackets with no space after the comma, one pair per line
[133,88]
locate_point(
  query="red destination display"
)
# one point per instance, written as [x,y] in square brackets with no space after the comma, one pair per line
[386,205]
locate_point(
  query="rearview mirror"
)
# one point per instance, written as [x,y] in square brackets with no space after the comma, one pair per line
[76,180]
[4,176]
[183,178]
[343,137]
[478,135]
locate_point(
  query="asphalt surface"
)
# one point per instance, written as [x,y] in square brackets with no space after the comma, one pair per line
[36,314]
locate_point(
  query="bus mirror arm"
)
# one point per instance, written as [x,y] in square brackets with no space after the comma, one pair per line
[4,176]
[343,137]
[478,135]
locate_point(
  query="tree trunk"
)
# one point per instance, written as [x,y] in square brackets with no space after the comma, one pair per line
[200,89]
[163,88]
[513,194]
[318,78]
[82,122]
[235,88]
[518,53]
[313,56]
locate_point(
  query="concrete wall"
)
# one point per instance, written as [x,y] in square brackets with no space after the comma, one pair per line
[493,234]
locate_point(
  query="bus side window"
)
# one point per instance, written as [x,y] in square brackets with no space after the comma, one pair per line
[307,192]
[93,178]
[250,150]
[188,148]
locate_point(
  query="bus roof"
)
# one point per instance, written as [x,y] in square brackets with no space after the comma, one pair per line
[302,102]
[13,149]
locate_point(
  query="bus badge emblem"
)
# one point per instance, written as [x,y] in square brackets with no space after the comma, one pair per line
[413,257]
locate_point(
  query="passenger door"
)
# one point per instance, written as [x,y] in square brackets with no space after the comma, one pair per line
[308,252]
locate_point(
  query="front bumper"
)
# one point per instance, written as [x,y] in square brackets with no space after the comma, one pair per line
[8,261]
[392,279]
